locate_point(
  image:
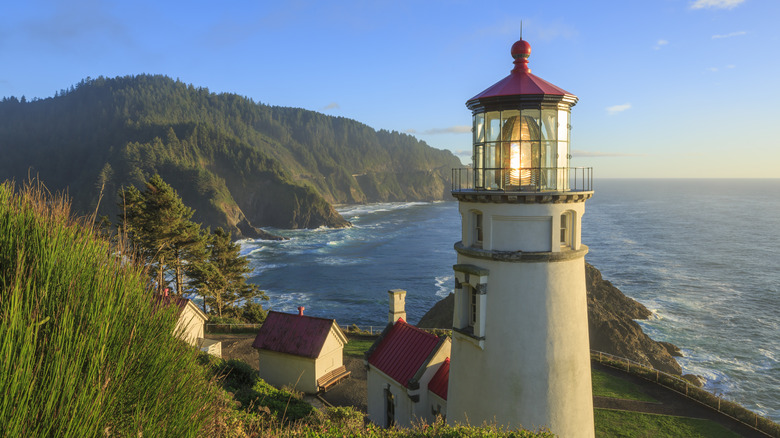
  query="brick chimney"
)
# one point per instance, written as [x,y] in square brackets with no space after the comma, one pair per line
[397,305]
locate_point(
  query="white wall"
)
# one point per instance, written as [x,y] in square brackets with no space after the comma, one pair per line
[377,381]
[520,227]
[190,325]
[534,369]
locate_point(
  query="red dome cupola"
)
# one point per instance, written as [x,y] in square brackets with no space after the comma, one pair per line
[521,132]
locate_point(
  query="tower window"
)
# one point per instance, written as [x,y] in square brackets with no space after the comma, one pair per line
[472,307]
[566,229]
[478,229]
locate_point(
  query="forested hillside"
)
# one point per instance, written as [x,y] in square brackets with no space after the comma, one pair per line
[236,162]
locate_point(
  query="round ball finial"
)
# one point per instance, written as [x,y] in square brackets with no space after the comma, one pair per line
[521,50]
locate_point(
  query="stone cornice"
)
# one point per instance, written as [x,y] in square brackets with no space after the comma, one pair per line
[520,256]
[501,197]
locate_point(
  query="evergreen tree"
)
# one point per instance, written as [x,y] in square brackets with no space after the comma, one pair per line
[158,223]
[222,278]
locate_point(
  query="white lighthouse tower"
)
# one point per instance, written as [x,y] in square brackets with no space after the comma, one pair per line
[520,353]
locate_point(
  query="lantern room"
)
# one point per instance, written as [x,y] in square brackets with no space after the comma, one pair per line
[521,133]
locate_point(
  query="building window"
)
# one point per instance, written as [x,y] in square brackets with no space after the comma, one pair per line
[478,229]
[566,229]
[472,307]
[390,408]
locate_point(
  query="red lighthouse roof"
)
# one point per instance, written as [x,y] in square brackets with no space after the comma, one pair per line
[520,81]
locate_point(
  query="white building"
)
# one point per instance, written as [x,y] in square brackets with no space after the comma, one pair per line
[303,352]
[190,324]
[401,365]
[520,329]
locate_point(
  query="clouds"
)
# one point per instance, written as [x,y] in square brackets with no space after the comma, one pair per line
[330,106]
[615,109]
[458,129]
[660,44]
[729,35]
[716,4]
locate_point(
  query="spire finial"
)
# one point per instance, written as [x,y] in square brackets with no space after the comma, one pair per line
[521,29]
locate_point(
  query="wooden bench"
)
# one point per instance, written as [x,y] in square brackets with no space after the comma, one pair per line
[332,378]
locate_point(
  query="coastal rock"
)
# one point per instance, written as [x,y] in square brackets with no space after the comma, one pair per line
[611,324]
[693,379]
[613,330]
[672,349]
[247,230]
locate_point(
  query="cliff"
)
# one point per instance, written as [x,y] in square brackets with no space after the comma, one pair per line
[611,324]
[238,163]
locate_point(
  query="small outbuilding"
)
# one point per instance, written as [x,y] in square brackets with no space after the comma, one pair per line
[406,374]
[302,352]
[191,324]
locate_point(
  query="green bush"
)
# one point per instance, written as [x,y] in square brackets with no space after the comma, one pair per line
[253,313]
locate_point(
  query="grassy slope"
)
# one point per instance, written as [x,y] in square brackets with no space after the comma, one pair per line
[81,352]
[635,424]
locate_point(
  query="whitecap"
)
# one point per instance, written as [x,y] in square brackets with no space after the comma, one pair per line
[444,285]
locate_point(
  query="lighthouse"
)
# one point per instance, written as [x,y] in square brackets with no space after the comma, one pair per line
[520,355]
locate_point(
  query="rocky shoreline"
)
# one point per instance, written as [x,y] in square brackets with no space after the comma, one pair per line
[611,323]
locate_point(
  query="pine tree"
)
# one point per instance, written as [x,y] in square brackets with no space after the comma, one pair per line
[158,223]
[222,278]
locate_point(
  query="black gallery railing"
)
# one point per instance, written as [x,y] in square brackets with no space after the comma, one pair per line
[525,179]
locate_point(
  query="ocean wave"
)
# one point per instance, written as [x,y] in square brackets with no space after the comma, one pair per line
[366,209]
[443,285]
[286,301]
[338,261]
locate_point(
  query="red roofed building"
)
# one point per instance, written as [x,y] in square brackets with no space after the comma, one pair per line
[302,352]
[401,363]
[438,388]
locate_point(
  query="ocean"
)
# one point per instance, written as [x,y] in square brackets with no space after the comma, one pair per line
[703,255]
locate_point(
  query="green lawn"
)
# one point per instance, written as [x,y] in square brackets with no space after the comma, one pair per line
[605,385]
[358,345]
[634,424]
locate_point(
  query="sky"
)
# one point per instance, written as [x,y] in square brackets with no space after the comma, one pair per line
[666,88]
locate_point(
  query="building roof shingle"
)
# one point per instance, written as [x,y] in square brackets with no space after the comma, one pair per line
[299,335]
[402,351]
[440,380]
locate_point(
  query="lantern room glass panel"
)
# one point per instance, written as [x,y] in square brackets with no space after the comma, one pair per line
[479,164]
[493,122]
[563,125]
[533,118]
[492,166]
[549,124]
[479,128]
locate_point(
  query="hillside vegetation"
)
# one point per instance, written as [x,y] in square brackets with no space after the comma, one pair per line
[237,163]
[83,352]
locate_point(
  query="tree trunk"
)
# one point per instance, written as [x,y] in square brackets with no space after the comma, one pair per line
[179,277]
[160,285]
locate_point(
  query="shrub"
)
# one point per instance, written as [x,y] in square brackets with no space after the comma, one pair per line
[253,313]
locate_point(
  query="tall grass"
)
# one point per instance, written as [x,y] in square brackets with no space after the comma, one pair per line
[82,353]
